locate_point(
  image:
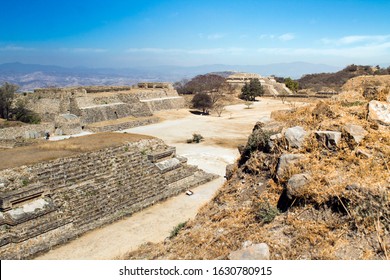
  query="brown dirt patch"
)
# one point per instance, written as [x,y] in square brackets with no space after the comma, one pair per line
[64,148]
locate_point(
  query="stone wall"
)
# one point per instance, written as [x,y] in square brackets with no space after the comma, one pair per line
[46,204]
[99,113]
[30,131]
[167,103]
[122,125]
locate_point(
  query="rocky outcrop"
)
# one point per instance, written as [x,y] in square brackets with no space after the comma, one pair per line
[331,139]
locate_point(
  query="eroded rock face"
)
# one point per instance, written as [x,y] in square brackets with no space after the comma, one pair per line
[379,111]
[295,136]
[355,132]
[330,138]
[252,252]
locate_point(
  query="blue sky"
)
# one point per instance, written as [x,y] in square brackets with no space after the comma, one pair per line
[96,33]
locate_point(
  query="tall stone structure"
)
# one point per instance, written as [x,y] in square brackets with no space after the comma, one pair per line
[237,80]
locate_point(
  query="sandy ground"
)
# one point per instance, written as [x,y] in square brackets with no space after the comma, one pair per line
[154,224]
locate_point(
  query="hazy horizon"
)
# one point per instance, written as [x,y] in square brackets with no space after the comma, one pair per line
[125,34]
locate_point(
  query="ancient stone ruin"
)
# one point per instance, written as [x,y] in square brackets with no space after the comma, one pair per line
[52,200]
[66,111]
[271,87]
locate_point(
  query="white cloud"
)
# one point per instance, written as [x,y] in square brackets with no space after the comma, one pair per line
[215,36]
[232,50]
[83,50]
[15,48]
[286,37]
[354,39]
[354,52]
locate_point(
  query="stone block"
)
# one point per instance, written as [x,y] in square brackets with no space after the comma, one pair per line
[356,133]
[379,112]
[330,138]
[295,136]
[296,184]
[285,162]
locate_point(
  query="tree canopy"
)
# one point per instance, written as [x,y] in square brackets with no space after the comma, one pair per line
[11,110]
[291,84]
[202,101]
[251,90]
[7,95]
[200,84]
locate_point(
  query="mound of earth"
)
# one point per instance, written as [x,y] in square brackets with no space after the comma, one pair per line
[312,184]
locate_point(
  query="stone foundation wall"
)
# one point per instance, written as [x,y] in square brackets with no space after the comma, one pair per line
[99,113]
[30,131]
[165,103]
[154,93]
[123,125]
[46,204]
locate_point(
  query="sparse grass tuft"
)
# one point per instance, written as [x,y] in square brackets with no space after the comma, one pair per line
[175,231]
[265,212]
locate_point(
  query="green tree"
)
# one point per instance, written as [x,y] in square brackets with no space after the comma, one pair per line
[291,84]
[21,113]
[203,102]
[7,94]
[251,90]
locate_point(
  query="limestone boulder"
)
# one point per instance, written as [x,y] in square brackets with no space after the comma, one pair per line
[379,112]
[296,185]
[353,132]
[258,251]
[295,136]
[330,138]
[286,161]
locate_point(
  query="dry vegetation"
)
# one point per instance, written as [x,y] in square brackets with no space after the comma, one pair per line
[52,150]
[5,124]
[343,213]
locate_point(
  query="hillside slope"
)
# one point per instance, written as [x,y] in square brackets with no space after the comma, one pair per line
[334,81]
[317,191]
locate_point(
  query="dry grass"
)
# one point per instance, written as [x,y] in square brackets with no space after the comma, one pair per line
[358,84]
[5,124]
[344,213]
[52,150]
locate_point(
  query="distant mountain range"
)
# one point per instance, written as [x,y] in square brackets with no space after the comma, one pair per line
[31,76]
